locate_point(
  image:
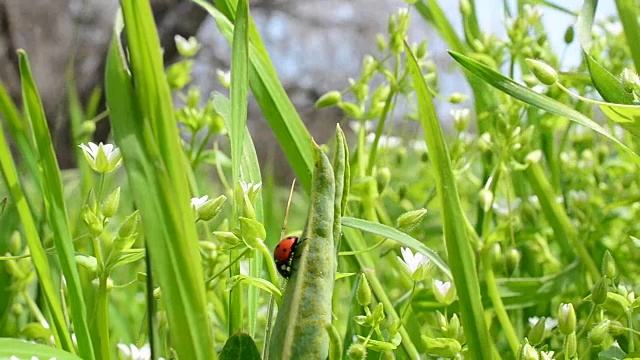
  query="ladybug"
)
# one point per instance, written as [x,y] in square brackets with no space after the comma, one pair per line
[283,255]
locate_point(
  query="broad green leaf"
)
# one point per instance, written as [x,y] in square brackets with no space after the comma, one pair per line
[530,97]
[56,211]
[240,346]
[270,95]
[400,237]
[607,85]
[159,184]
[257,282]
[461,257]
[24,350]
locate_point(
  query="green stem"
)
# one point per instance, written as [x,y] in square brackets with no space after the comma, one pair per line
[377,245]
[631,331]
[34,308]
[586,322]
[404,312]
[498,305]
[379,129]
[211,278]
[102,319]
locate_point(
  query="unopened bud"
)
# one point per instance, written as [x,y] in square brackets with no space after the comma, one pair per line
[227,237]
[571,345]
[457,98]
[330,98]
[187,48]
[533,157]
[512,259]
[460,119]
[357,351]
[599,291]
[352,110]
[536,334]
[378,313]
[211,208]
[383,177]
[529,353]
[363,296]
[15,243]
[545,73]
[87,128]
[421,51]
[608,265]
[569,35]
[566,319]
[111,203]
[486,199]
[88,262]
[129,225]
[410,220]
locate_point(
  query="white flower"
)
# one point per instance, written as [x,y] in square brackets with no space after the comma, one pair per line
[131,352]
[549,323]
[565,310]
[443,287]
[386,141]
[249,188]
[419,146]
[187,48]
[356,125]
[224,77]
[197,202]
[529,353]
[410,261]
[102,158]
[547,355]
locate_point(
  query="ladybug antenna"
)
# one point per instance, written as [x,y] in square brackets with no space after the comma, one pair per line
[286,214]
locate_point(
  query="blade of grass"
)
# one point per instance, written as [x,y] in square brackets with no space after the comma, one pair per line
[239,94]
[270,95]
[38,256]
[25,350]
[400,237]
[77,117]
[627,11]
[145,130]
[55,206]
[459,248]
[530,97]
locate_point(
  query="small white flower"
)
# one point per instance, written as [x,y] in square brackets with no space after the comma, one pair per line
[224,77]
[410,261]
[131,352]
[443,287]
[249,188]
[102,158]
[565,310]
[13,357]
[386,141]
[197,202]
[549,323]
[187,48]
[418,146]
[529,353]
[356,125]
[547,355]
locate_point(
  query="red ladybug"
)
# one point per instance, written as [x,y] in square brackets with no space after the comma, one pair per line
[283,254]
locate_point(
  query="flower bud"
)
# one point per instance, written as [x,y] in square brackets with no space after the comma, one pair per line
[599,291]
[630,80]
[381,42]
[410,220]
[443,347]
[121,244]
[15,243]
[224,77]
[129,225]
[330,98]
[566,319]
[378,313]
[227,237]
[457,98]
[352,110]
[179,74]
[486,199]
[484,142]
[211,208]
[533,157]
[87,128]
[421,51]
[536,334]
[193,97]
[444,292]
[453,330]
[599,333]
[608,265]
[357,351]
[383,177]
[92,221]
[363,296]
[465,7]
[88,262]
[569,35]
[111,203]
[530,80]
[460,119]
[545,73]
[512,259]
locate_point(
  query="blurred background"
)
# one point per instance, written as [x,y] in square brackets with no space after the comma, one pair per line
[315,46]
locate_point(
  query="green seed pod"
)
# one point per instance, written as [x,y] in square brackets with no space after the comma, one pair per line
[545,73]
[336,342]
[111,203]
[88,262]
[129,225]
[599,291]
[457,98]
[342,173]
[299,331]
[357,351]
[571,345]
[599,333]
[536,334]
[91,220]
[608,265]
[352,110]
[331,98]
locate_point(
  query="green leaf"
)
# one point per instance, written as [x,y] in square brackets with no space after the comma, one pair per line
[240,346]
[612,353]
[257,282]
[26,351]
[400,237]
[530,97]
[56,211]
[607,85]
[147,134]
[461,258]
[628,13]
[270,95]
